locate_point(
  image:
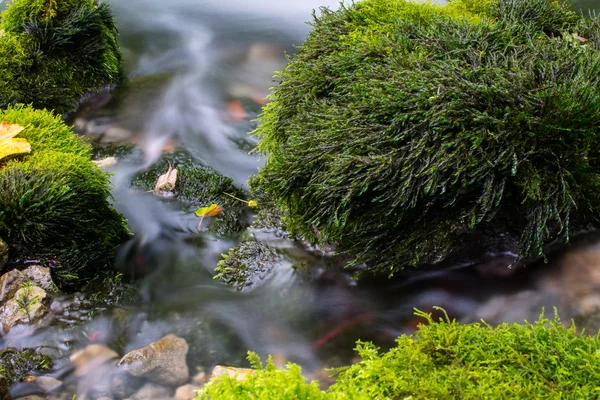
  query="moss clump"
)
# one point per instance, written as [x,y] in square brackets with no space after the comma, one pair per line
[16,365]
[199,185]
[401,130]
[54,202]
[247,265]
[52,52]
[446,360]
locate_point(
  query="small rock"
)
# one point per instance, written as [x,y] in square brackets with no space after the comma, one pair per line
[200,378]
[125,385]
[90,358]
[186,392]
[104,398]
[32,397]
[3,253]
[4,389]
[105,162]
[116,134]
[26,307]
[238,373]
[151,391]
[10,283]
[162,361]
[40,275]
[46,383]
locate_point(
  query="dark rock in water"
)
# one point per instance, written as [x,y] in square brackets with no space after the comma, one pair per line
[199,185]
[247,265]
[162,362]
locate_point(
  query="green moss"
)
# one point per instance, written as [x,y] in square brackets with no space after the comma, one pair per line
[401,130]
[199,185]
[56,51]
[447,360]
[54,202]
[16,365]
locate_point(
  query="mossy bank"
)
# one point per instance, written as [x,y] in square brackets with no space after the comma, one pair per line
[54,202]
[408,133]
[54,52]
[445,360]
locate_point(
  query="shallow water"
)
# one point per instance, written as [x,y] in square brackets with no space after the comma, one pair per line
[191,64]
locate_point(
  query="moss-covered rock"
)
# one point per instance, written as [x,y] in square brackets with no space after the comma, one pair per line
[247,265]
[16,365]
[402,131]
[53,52]
[445,360]
[199,185]
[54,202]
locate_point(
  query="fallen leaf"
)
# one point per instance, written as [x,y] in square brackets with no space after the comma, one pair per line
[8,144]
[252,203]
[167,181]
[211,211]
[235,110]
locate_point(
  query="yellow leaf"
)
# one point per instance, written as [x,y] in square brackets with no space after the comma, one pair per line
[211,211]
[252,203]
[10,146]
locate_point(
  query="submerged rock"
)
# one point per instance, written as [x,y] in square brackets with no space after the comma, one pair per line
[186,392]
[93,356]
[152,391]
[161,362]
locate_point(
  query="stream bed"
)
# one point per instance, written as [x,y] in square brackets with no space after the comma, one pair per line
[198,73]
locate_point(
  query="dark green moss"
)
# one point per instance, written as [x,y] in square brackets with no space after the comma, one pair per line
[446,360]
[16,365]
[198,186]
[400,131]
[54,202]
[56,51]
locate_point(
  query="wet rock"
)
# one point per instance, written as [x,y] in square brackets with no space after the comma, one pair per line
[46,384]
[151,391]
[33,397]
[125,385]
[104,398]
[10,283]
[4,395]
[200,378]
[162,362]
[90,358]
[40,276]
[186,392]
[25,308]
[3,253]
[237,373]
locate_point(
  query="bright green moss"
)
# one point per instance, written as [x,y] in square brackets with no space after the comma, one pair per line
[401,131]
[446,360]
[54,202]
[65,49]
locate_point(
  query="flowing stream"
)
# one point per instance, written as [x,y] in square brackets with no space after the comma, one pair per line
[189,63]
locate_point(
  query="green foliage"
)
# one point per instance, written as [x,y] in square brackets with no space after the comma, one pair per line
[246,265]
[267,383]
[56,51]
[16,365]
[54,202]
[199,185]
[401,130]
[446,360]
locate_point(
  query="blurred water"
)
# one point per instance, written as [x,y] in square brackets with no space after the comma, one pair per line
[190,63]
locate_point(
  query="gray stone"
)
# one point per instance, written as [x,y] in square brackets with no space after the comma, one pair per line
[3,253]
[10,283]
[40,276]
[46,383]
[162,362]
[125,385]
[186,392]
[151,391]
[25,308]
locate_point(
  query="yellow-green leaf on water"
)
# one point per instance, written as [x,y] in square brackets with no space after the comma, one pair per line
[8,144]
[211,211]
